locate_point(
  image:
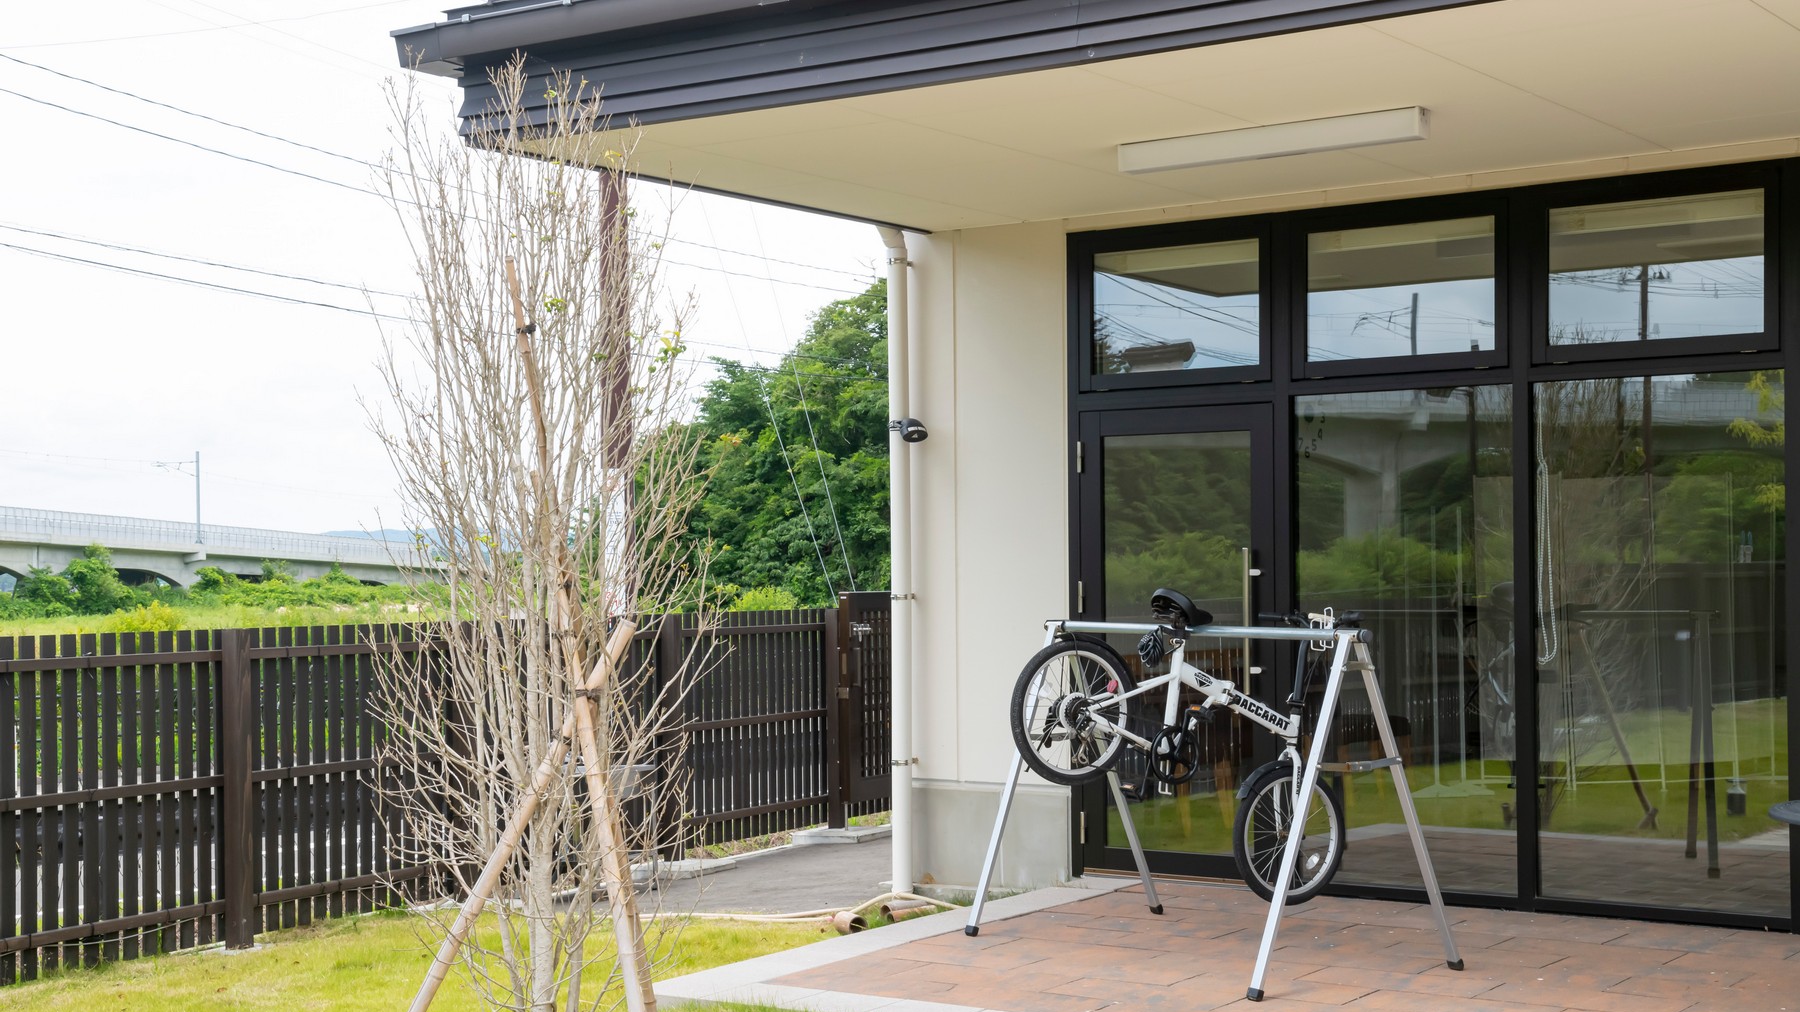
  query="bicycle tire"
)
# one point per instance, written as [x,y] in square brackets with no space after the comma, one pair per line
[1050,701]
[1259,834]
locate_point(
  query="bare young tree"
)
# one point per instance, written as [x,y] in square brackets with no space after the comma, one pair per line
[531,416]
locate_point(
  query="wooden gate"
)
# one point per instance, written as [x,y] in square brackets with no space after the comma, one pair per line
[864,701]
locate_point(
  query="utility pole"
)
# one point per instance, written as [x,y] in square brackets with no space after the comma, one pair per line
[198,540]
[1412,330]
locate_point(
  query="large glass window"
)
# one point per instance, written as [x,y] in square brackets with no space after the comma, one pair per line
[1649,270]
[1179,512]
[1405,514]
[1421,288]
[1660,615]
[1177,307]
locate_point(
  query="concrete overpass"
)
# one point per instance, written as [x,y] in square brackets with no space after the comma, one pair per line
[146,550]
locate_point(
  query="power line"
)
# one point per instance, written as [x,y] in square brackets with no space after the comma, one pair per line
[380,167]
[188,112]
[342,185]
[190,144]
[141,272]
[196,260]
[195,31]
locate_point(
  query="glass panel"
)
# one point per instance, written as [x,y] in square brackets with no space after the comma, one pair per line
[1660,611]
[1177,514]
[1424,288]
[1178,307]
[1405,512]
[1657,269]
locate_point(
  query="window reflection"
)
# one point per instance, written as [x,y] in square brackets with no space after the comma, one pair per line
[1644,270]
[1177,307]
[1405,512]
[1421,288]
[1660,605]
[1178,509]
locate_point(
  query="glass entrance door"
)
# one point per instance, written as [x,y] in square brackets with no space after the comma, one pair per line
[1179,499]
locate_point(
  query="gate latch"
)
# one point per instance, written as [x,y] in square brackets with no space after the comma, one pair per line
[860,630]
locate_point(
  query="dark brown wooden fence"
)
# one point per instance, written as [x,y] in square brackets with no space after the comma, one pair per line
[171,790]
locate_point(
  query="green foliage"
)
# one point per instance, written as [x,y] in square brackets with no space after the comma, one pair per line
[90,586]
[98,589]
[1374,564]
[44,593]
[765,599]
[153,617]
[827,405]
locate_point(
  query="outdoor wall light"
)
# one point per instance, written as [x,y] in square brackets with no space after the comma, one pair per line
[1332,133]
[911,429]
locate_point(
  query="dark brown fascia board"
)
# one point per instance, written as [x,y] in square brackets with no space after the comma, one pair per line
[744,59]
[443,48]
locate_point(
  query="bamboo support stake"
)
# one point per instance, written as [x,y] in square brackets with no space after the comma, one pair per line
[540,783]
[628,931]
[633,961]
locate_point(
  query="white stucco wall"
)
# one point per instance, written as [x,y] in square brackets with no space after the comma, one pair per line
[991,535]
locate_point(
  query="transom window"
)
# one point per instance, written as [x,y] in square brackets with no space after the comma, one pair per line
[1649,270]
[1420,288]
[1178,307]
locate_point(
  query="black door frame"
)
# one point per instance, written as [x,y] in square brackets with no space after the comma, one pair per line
[1268,557]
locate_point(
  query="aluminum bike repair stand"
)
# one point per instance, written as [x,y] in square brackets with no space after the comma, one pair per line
[1006,798]
[993,852]
[1350,641]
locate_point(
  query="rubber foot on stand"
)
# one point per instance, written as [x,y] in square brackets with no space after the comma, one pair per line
[975,929]
[1454,964]
[1254,994]
[1157,910]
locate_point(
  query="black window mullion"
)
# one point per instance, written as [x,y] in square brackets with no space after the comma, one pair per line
[1527,258]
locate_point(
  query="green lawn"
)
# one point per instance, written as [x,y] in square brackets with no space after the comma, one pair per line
[352,964]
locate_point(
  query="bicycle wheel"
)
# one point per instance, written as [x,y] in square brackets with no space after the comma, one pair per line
[1265,821]
[1059,695]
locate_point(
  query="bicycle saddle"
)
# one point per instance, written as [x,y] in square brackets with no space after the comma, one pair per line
[1168,605]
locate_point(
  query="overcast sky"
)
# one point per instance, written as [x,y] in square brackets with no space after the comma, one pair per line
[106,373]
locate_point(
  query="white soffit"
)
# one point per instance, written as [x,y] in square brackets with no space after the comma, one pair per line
[1518,90]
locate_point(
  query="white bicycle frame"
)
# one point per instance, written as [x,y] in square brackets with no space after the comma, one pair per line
[1218,693]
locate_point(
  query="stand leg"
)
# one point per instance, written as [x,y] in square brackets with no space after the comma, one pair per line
[1308,777]
[1137,850]
[993,852]
[1378,708]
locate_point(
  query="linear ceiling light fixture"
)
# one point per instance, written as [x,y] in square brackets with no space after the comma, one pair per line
[1332,133]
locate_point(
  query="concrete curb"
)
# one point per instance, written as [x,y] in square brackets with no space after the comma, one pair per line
[749,981]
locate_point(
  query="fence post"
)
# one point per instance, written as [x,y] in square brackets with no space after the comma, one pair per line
[837,812]
[668,811]
[237,827]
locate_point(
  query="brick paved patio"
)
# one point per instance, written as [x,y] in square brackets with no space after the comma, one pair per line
[1070,952]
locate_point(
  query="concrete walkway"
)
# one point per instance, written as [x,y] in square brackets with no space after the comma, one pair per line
[780,881]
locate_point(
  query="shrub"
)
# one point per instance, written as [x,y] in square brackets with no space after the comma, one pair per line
[153,617]
[766,599]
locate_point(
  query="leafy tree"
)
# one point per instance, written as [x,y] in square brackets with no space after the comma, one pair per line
[812,431]
[98,589]
[44,593]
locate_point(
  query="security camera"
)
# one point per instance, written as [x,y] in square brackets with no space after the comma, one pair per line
[911,430]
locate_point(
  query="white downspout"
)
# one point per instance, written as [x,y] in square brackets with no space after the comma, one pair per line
[900,528]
